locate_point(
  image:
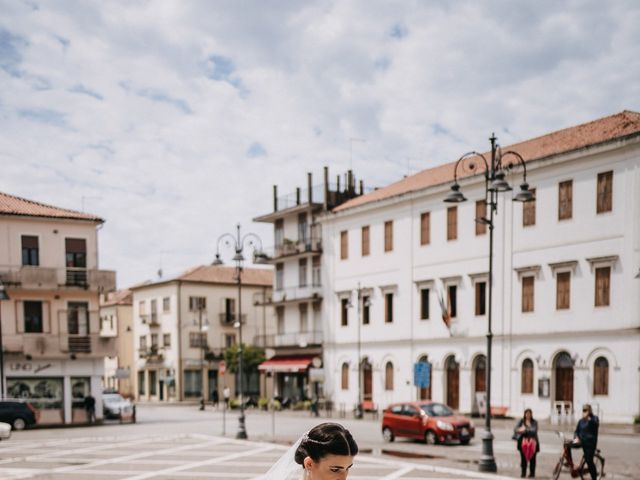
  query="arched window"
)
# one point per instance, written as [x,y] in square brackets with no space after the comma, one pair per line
[388,376]
[345,376]
[526,385]
[601,376]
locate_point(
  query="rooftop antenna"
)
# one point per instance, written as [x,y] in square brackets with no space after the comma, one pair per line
[351,140]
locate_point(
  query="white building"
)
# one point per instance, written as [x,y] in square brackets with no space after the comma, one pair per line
[297,293]
[182,326]
[53,346]
[566,295]
[116,320]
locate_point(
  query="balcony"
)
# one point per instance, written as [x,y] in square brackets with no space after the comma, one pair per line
[152,354]
[296,339]
[41,346]
[297,294]
[46,278]
[229,319]
[150,319]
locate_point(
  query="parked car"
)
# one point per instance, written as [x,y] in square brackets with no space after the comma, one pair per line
[429,421]
[17,413]
[115,405]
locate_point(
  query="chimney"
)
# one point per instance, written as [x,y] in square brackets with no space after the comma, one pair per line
[350,181]
[326,188]
[275,198]
[338,185]
[361,187]
[310,187]
[297,195]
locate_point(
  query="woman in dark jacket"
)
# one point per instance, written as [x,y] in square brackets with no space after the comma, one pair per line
[526,434]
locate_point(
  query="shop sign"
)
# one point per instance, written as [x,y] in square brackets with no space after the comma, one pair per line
[28,367]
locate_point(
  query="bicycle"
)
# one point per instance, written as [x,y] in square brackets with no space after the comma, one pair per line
[581,470]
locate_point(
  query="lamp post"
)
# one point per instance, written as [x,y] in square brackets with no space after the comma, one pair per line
[3,296]
[494,183]
[359,413]
[238,243]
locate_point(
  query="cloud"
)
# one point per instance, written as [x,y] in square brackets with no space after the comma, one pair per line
[172,120]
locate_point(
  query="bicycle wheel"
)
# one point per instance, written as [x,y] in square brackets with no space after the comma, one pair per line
[557,469]
[599,461]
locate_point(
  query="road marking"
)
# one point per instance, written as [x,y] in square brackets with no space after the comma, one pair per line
[398,473]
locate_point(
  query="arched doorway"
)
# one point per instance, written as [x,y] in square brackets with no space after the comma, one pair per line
[367,380]
[563,369]
[479,379]
[453,382]
[425,393]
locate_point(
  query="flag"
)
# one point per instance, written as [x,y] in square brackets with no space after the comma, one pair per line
[446,318]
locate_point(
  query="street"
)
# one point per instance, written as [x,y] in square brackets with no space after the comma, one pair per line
[179,441]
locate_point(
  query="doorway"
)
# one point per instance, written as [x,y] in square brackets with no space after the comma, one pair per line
[563,370]
[453,382]
[367,374]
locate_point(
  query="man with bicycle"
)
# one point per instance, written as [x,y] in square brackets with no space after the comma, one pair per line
[586,436]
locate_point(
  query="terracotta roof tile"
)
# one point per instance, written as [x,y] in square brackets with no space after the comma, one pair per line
[12,205]
[221,274]
[562,141]
[119,297]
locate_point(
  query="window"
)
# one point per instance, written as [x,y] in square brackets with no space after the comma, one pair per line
[302,272]
[152,382]
[76,252]
[30,251]
[229,340]
[452,223]
[304,317]
[141,387]
[565,200]
[601,376]
[197,339]
[166,304]
[424,304]
[154,311]
[154,340]
[605,192]
[302,228]
[366,304]
[33,317]
[316,272]
[388,376]
[143,342]
[603,279]
[481,298]
[481,213]
[78,318]
[229,310]
[526,382]
[388,236]
[192,383]
[279,232]
[527,294]
[166,340]
[142,308]
[280,319]
[529,211]
[425,228]
[452,300]
[344,245]
[345,376]
[388,308]
[563,290]
[344,312]
[365,241]
[279,275]
[197,303]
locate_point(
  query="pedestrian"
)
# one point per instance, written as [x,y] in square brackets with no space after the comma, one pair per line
[325,452]
[586,436]
[526,435]
[226,394]
[215,398]
[90,408]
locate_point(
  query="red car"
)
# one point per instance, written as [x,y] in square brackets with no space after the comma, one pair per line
[429,421]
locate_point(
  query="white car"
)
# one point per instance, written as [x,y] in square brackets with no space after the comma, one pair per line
[5,431]
[115,405]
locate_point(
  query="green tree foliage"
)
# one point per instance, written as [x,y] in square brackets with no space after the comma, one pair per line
[251,358]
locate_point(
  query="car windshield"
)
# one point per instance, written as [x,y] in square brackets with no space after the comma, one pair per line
[112,398]
[436,410]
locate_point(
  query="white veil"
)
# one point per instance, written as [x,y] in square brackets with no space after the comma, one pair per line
[286,467]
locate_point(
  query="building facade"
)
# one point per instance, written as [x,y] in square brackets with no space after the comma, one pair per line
[293,373]
[53,346]
[407,283]
[116,320]
[183,325]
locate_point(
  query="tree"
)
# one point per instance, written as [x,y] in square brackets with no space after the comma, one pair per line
[251,358]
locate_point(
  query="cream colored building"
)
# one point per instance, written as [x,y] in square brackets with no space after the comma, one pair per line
[53,348]
[182,326]
[116,320]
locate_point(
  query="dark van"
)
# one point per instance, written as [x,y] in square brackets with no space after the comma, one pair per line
[18,414]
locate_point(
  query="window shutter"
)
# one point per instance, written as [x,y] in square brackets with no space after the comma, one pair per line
[29,241]
[425,228]
[565,208]
[75,245]
[345,376]
[605,192]
[527,294]
[601,376]
[344,245]
[563,290]
[388,377]
[481,212]
[365,241]
[388,236]
[603,278]
[527,376]
[529,211]
[452,223]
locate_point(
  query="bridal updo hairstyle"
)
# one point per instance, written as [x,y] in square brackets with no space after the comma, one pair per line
[326,439]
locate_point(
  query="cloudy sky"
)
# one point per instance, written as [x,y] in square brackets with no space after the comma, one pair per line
[173,119]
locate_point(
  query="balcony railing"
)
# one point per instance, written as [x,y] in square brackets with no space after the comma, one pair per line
[39,345]
[295,339]
[150,319]
[311,292]
[46,278]
[151,354]
[228,319]
[290,248]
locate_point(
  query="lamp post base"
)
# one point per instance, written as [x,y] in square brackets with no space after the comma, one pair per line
[242,431]
[487,460]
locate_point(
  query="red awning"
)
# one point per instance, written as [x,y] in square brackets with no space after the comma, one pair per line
[286,364]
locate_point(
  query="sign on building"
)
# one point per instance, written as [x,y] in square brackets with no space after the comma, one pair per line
[421,374]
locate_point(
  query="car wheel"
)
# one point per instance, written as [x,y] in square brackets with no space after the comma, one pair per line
[430,437]
[19,424]
[465,441]
[387,434]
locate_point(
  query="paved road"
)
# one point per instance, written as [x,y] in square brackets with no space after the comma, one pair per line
[187,424]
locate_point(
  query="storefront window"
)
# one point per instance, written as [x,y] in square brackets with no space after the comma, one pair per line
[45,395]
[192,383]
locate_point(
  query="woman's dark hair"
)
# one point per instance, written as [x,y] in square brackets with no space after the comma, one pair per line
[326,439]
[524,415]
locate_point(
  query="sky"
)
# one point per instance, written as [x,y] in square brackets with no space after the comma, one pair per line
[172,120]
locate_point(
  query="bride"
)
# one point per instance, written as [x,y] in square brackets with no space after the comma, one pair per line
[324,453]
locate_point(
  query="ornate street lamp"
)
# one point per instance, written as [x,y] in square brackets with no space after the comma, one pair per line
[494,183]
[238,243]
